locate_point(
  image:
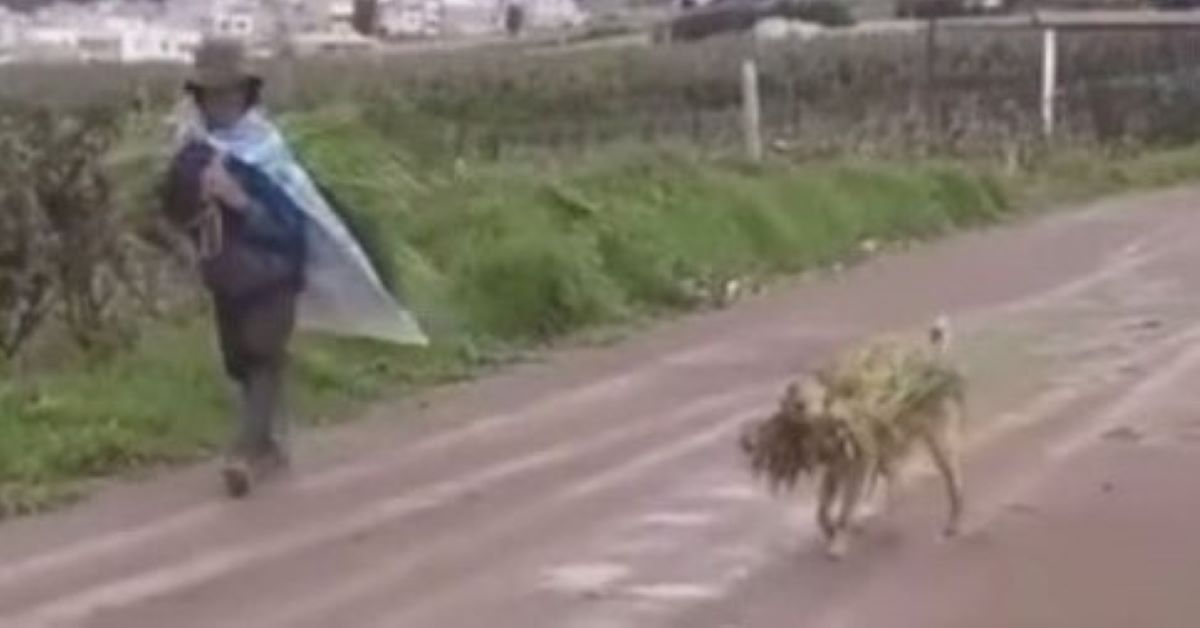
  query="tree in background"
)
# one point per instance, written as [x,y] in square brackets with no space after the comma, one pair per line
[514,19]
[366,17]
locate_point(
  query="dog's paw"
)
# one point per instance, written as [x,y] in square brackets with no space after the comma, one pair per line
[836,549]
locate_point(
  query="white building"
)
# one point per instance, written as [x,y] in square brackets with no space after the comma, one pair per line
[100,46]
[10,30]
[474,17]
[237,19]
[40,42]
[340,12]
[470,17]
[110,39]
[411,18]
[556,14]
[153,43]
[187,14]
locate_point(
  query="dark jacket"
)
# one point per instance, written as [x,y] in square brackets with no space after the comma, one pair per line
[262,247]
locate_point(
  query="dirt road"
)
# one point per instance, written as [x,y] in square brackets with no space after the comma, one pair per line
[602,488]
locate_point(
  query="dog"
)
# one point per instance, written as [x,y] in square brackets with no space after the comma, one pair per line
[814,409]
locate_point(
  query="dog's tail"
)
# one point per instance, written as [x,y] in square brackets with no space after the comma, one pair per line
[939,334]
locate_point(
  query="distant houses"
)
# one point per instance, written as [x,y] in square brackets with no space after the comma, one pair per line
[409,19]
[114,32]
[11,25]
[167,32]
[109,41]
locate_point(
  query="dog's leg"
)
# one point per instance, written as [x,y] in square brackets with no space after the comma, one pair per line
[887,478]
[852,487]
[943,448]
[876,479]
[826,495]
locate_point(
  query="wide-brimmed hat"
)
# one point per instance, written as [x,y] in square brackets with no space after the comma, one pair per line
[221,62]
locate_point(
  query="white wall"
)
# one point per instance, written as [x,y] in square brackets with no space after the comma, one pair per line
[546,14]
[411,18]
[52,36]
[554,13]
[470,17]
[9,29]
[49,43]
[229,18]
[156,44]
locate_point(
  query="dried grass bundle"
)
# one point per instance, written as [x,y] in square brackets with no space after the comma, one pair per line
[868,404]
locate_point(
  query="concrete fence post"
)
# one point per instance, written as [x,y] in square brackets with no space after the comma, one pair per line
[751,110]
[1049,79]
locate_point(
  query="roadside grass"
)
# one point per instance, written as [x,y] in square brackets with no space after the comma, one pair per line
[500,260]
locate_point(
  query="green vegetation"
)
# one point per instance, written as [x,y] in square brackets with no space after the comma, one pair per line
[465,169]
[498,259]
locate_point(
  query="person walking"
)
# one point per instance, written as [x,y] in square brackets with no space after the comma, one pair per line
[273,252]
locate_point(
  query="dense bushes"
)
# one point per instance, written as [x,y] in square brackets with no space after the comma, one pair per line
[68,255]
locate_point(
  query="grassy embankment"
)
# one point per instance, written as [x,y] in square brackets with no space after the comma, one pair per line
[502,259]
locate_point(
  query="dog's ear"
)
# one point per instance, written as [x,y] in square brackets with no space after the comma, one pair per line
[791,394]
[939,334]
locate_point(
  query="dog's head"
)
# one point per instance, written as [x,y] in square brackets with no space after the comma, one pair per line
[809,397]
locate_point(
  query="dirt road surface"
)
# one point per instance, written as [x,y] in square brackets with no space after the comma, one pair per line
[602,488]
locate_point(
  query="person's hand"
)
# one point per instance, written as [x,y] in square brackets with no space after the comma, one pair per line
[220,186]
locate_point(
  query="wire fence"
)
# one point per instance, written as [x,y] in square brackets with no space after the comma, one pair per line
[934,89]
[937,90]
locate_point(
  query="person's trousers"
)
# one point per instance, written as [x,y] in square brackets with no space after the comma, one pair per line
[254,334]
